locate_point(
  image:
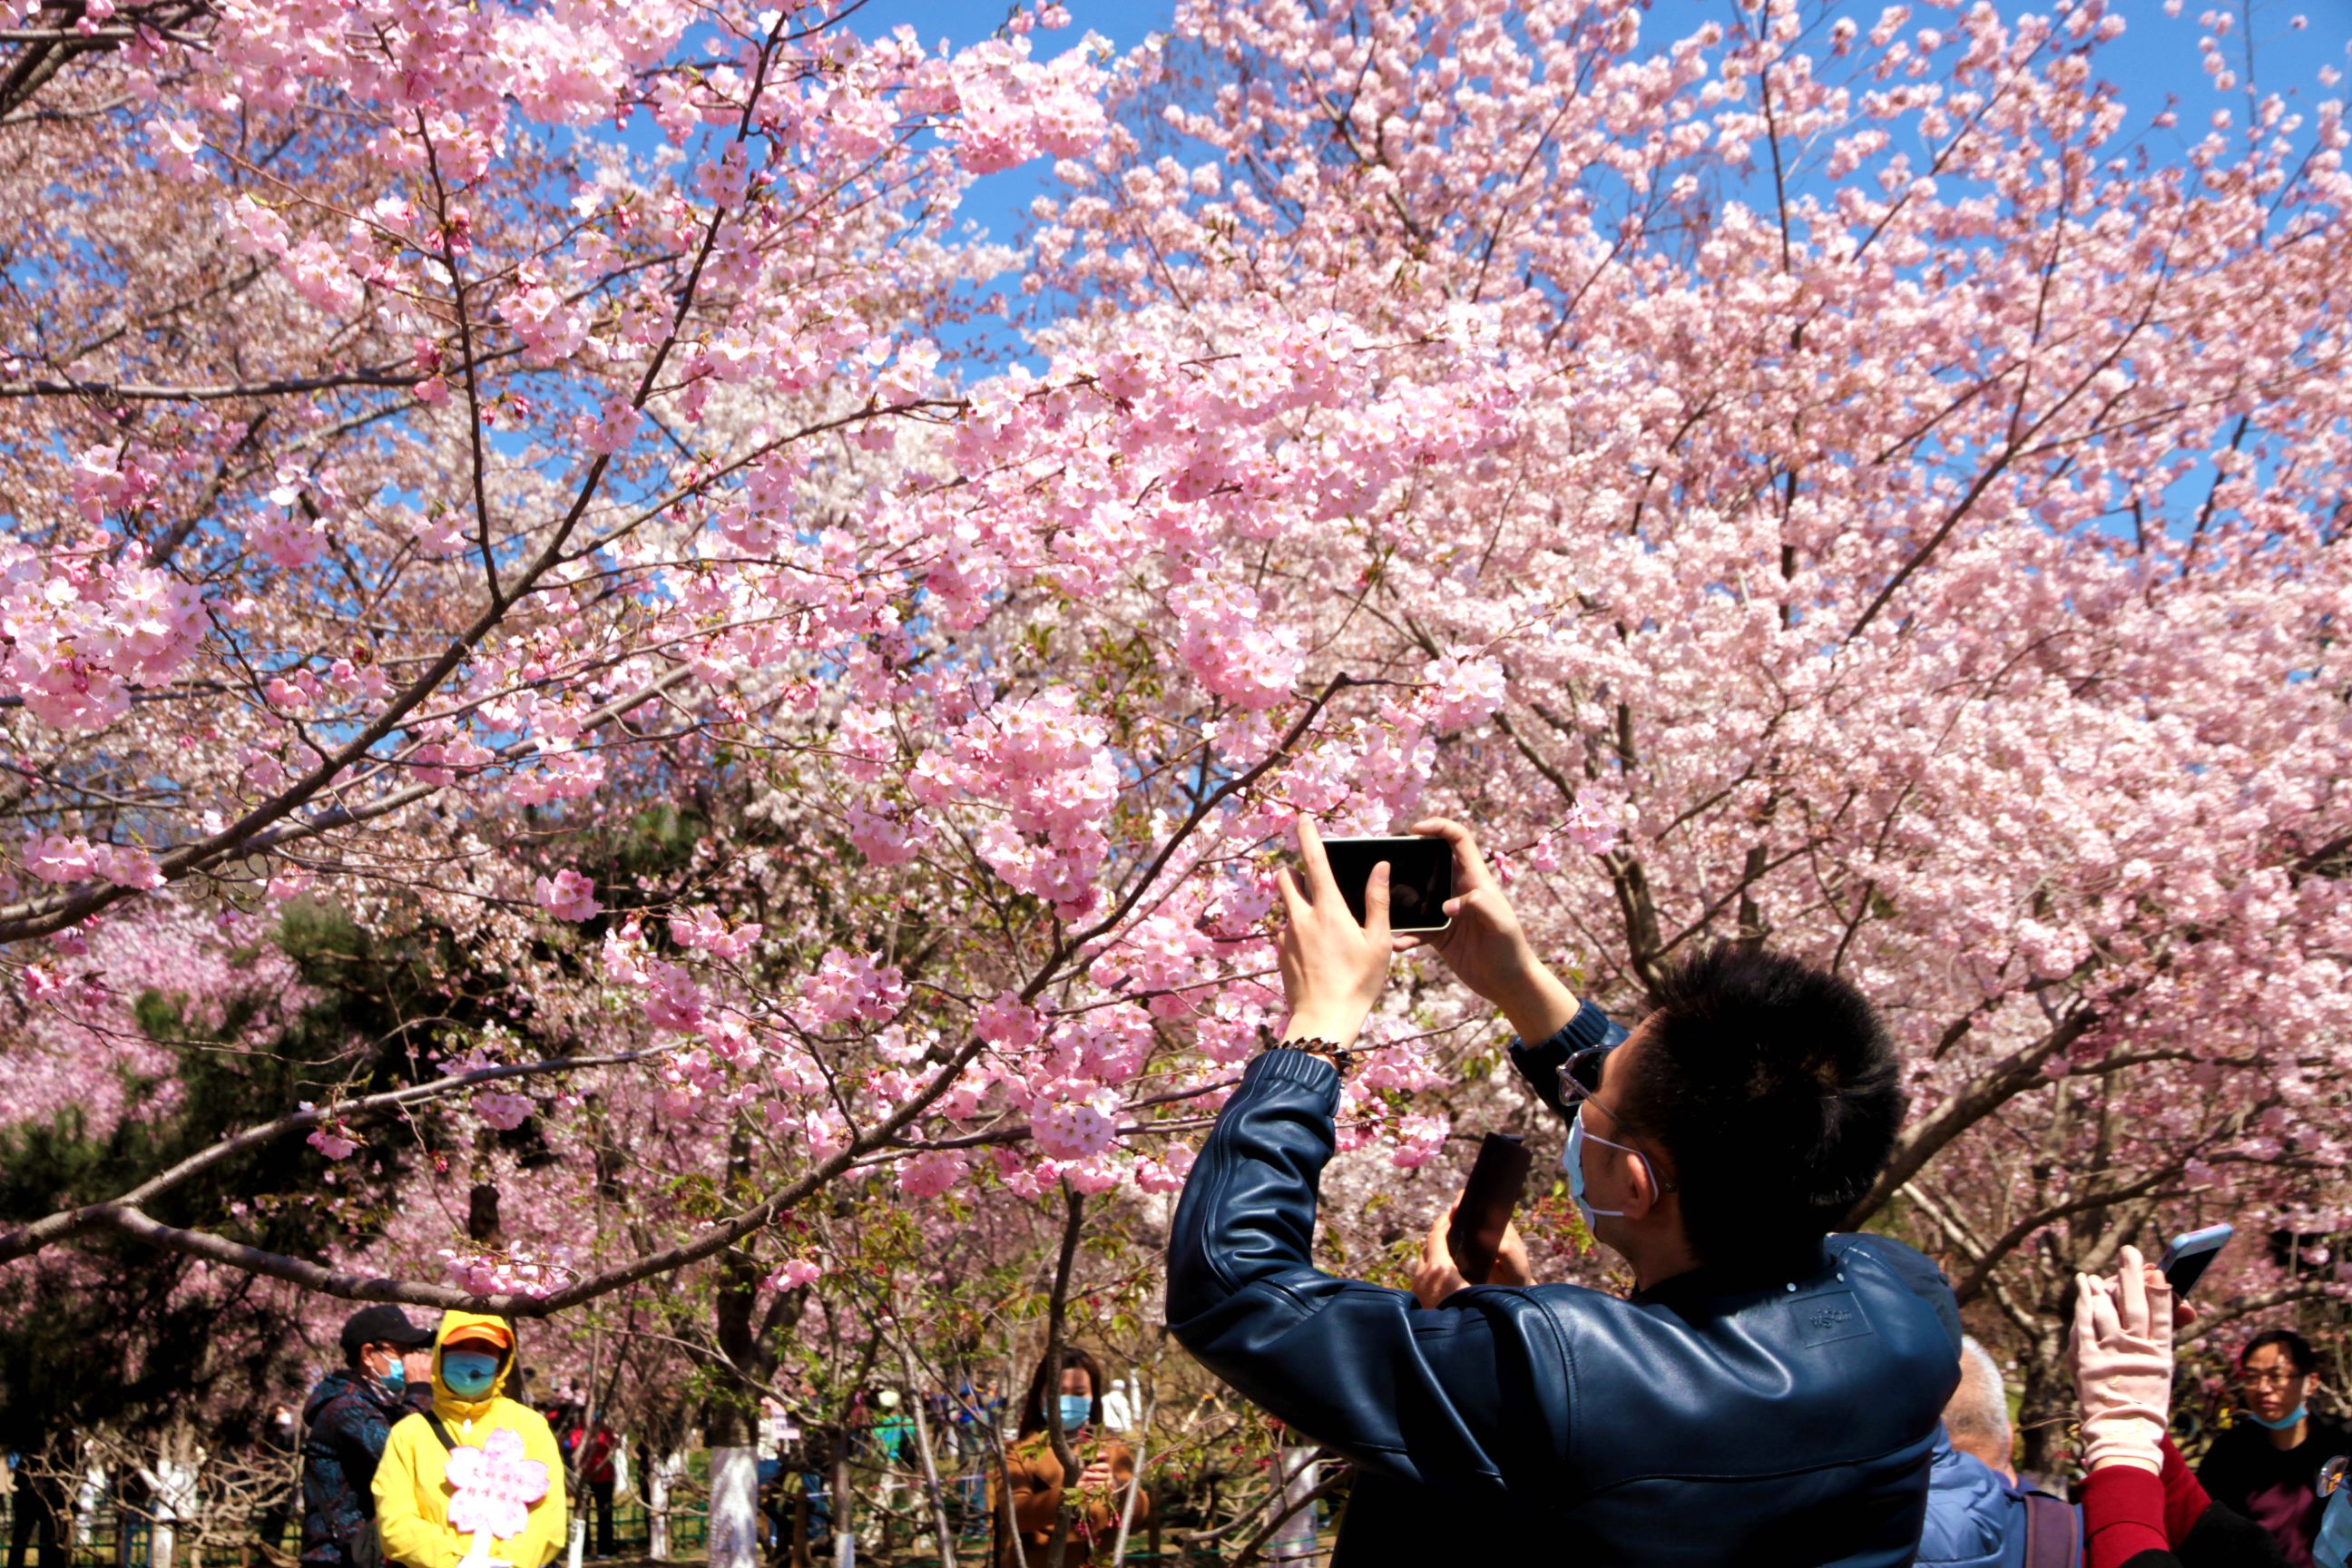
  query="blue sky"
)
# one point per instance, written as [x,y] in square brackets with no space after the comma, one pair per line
[2156,57]
[2155,65]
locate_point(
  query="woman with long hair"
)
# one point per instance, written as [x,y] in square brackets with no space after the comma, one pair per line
[1028,1497]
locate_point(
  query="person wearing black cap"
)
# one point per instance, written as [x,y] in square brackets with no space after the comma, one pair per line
[346,1421]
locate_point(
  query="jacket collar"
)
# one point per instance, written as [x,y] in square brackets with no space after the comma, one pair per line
[1715,1281]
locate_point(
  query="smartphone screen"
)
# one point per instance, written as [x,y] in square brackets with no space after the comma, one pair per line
[1420,877]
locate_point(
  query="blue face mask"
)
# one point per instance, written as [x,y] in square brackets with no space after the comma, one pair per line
[2284,1423]
[1076,1409]
[468,1373]
[1571,1162]
[395,1377]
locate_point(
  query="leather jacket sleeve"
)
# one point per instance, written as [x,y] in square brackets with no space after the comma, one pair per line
[1440,1397]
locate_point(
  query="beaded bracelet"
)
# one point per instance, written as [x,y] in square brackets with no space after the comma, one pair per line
[1339,1056]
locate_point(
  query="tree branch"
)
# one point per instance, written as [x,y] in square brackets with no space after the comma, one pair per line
[1989,1092]
[27,1239]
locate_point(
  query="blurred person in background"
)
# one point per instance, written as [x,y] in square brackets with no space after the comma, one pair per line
[2267,1466]
[594,1450]
[1031,1497]
[473,1359]
[347,1423]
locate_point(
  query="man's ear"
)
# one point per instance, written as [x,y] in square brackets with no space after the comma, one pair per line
[1642,1191]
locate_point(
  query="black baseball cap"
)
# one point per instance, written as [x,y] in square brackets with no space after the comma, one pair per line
[383,1326]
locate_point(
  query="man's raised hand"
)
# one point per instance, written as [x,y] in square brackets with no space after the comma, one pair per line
[1332,968]
[1486,946]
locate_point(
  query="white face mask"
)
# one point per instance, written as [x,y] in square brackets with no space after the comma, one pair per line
[1571,1162]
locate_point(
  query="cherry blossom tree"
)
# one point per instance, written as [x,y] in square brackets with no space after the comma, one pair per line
[1868,490]
[1915,545]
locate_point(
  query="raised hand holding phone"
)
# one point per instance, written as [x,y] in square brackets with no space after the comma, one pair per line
[1435,1277]
[1333,965]
[1485,945]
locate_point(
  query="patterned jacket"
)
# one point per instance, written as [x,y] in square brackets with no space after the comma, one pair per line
[345,1423]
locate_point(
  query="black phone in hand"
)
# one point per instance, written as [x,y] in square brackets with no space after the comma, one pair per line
[1497,1180]
[1420,877]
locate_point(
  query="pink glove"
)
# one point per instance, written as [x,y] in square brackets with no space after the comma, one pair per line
[2123,1364]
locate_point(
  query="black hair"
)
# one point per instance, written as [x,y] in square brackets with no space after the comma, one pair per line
[2298,1350]
[1774,1091]
[1048,1383]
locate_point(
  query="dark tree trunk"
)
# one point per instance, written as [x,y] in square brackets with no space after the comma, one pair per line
[482,1215]
[2046,1411]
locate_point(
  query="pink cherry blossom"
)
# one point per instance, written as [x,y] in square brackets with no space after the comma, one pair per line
[931,1174]
[504,1112]
[1072,1131]
[795,1273]
[568,896]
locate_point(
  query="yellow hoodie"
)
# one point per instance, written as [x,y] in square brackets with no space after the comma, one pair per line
[412,1496]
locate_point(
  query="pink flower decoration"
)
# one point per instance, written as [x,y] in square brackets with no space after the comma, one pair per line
[494,1486]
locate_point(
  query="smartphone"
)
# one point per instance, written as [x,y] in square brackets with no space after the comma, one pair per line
[2187,1258]
[1496,1180]
[1420,877]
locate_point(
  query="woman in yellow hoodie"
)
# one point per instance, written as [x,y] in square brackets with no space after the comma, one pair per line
[473,1359]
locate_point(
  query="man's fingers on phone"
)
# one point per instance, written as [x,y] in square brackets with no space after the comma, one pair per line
[1432,1240]
[1433,1282]
[1294,897]
[1376,902]
[1512,1264]
[1466,855]
[1472,903]
[1320,883]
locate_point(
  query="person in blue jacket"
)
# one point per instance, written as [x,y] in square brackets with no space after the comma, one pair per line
[347,1420]
[1979,1515]
[1770,1392]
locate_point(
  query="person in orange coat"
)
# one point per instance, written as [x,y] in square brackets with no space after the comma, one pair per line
[1029,1494]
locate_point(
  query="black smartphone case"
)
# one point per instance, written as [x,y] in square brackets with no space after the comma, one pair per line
[1497,1182]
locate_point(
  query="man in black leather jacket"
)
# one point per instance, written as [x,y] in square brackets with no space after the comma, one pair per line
[1770,1393]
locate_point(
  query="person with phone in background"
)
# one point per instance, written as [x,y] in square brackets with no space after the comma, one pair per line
[2141,1507]
[347,1420]
[1770,1391]
[2267,1466]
